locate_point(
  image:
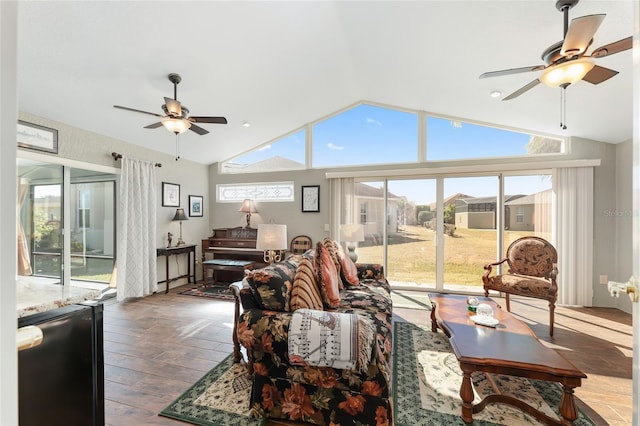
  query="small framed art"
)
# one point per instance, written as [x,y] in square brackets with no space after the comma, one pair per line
[170,194]
[311,198]
[36,137]
[195,205]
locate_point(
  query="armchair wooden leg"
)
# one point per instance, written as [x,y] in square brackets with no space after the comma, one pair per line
[506,299]
[552,307]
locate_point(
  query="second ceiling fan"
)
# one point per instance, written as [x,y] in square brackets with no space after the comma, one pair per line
[566,61]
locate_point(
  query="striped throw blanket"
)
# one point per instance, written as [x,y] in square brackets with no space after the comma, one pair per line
[330,339]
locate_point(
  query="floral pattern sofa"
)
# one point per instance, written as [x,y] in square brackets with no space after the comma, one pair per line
[317,395]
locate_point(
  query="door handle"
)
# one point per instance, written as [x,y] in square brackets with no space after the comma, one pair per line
[630,287]
[28,337]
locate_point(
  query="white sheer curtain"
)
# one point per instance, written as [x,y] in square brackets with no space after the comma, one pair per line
[24,263]
[136,272]
[342,205]
[573,231]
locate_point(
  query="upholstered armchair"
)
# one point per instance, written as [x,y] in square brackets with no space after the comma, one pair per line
[532,270]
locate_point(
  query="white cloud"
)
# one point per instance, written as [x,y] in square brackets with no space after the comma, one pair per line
[373,121]
[334,147]
[264,148]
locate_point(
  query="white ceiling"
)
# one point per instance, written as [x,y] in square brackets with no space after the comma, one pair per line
[280,65]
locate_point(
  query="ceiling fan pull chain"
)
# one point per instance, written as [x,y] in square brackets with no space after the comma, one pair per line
[563,109]
[177,151]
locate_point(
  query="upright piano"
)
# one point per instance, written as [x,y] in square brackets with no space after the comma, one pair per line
[235,244]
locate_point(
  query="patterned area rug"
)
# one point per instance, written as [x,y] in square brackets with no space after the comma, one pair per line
[426,383]
[220,398]
[213,291]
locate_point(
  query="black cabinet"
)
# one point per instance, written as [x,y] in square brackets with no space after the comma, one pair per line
[61,381]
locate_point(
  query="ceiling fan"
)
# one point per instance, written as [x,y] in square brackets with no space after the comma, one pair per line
[566,61]
[176,117]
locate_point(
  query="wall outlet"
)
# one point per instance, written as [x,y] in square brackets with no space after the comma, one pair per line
[326,227]
[604,279]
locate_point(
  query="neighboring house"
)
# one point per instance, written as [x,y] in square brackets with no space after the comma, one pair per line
[529,213]
[480,212]
[370,209]
[449,200]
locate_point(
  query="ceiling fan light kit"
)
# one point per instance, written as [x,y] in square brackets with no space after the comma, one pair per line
[567,62]
[566,73]
[176,125]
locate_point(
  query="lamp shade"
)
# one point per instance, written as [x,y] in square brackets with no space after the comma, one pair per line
[351,232]
[271,237]
[566,73]
[176,125]
[180,215]
[248,206]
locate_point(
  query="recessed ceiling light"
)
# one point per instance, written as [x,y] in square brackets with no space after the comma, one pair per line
[495,93]
[246,124]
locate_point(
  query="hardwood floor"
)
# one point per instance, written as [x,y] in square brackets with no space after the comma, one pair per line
[156,347]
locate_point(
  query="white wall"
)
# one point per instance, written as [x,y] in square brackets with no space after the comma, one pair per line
[622,216]
[226,215]
[8,255]
[92,148]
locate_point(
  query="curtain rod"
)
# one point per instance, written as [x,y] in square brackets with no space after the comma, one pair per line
[117,156]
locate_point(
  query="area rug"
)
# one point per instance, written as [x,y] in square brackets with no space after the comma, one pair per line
[410,300]
[220,398]
[426,384]
[212,291]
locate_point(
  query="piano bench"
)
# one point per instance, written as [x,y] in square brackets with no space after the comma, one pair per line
[224,265]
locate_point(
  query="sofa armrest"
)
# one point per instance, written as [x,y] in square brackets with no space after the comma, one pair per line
[370,271]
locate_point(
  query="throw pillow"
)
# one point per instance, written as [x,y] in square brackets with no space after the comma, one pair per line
[327,277]
[330,246]
[305,292]
[271,286]
[348,269]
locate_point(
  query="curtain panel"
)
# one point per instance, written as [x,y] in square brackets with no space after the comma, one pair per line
[137,206]
[573,234]
[343,208]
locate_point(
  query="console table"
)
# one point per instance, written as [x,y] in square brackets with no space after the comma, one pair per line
[167,252]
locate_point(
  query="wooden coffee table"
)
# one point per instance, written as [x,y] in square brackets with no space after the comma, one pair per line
[510,348]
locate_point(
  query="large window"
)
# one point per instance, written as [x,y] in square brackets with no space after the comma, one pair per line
[455,140]
[366,134]
[286,153]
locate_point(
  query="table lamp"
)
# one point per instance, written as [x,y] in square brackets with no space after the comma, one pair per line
[351,233]
[272,239]
[248,207]
[180,216]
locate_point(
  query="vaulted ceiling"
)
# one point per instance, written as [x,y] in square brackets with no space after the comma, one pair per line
[280,65]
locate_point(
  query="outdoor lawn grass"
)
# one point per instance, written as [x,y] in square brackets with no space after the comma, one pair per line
[412,255]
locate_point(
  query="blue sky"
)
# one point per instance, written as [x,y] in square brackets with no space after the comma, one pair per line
[369,134]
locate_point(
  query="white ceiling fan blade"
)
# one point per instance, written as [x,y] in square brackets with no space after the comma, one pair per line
[580,34]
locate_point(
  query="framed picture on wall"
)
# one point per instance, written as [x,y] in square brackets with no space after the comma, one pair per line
[38,138]
[311,198]
[170,194]
[196,205]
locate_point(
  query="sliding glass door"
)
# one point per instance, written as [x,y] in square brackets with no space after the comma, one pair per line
[92,229]
[411,251]
[438,233]
[52,199]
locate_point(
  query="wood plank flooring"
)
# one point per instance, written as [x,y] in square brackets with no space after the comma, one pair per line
[156,347]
